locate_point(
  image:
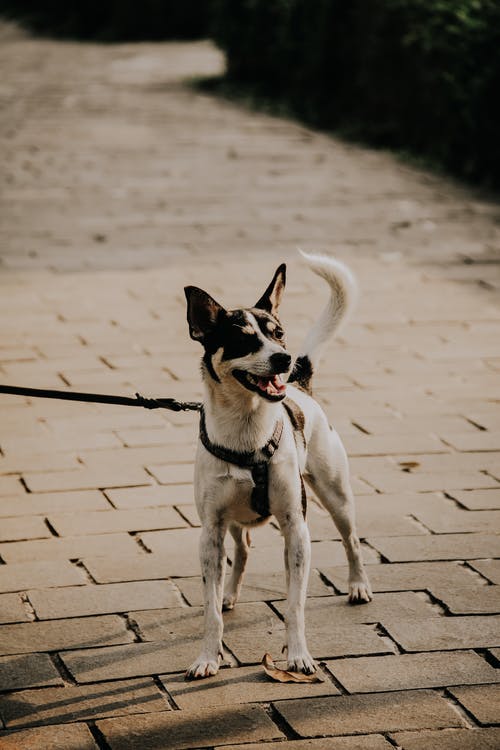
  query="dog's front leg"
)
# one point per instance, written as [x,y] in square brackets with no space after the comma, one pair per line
[213,560]
[298,559]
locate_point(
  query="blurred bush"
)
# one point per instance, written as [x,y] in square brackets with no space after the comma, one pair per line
[418,75]
[112,20]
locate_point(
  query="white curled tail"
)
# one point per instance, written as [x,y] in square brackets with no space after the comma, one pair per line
[343,296]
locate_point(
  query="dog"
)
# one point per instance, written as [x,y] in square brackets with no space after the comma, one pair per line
[259,437]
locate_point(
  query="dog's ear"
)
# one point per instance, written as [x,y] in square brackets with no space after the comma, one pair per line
[203,312]
[270,300]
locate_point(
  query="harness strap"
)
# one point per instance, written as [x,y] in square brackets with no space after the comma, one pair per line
[248,460]
[259,468]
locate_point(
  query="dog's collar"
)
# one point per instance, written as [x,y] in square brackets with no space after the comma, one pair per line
[257,461]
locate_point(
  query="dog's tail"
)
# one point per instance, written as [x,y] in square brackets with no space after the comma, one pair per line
[343,295]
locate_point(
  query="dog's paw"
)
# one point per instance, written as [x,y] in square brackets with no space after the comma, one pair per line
[202,667]
[301,663]
[228,602]
[360,591]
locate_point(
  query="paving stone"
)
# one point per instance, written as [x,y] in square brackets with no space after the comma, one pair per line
[189,512]
[172,473]
[470,600]
[133,659]
[62,634]
[449,739]
[70,548]
[322,613]
[159,437]
[21,576]
[391,425]
[483,702]
[31,670]
[11,485]
[386,712]
[140,567]
[86,479]
[360,742]
[385,445]
[152,496]
[454,520]
[446,462]
[75,440]
[488,568]
[13,529]
[445,633]
[31,708]
[12,609]
[64,737]
[428,482]
[255,588]
[484,440]
[478,499]
[369,522]
[270,559]
[113,521]
[178,730]
[496,653]
[238,685]
[53,502]
[408,671]
[17,463]
[405,576]
[251,629]
[437,547]
[180,545]
[79,601]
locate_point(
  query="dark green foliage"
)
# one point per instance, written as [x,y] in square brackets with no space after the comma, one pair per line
[419,75]
[112,20]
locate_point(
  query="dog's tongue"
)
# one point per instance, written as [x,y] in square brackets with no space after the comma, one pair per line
[273,386]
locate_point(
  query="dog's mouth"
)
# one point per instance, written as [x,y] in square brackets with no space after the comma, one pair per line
[271,387]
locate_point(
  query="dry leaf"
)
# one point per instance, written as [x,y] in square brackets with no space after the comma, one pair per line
[409,465]
[282,675]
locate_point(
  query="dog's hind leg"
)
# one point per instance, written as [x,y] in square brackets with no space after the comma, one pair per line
[241,544]
[330,481]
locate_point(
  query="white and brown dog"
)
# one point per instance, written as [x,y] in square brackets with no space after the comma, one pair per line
[258,438]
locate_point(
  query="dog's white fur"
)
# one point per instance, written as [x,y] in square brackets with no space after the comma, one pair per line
[242,420]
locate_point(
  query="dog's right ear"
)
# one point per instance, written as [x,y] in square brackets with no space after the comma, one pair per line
[203,312]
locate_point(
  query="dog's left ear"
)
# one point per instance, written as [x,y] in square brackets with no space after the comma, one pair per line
[270,300]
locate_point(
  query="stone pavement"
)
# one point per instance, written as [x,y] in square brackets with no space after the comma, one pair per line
[121,185]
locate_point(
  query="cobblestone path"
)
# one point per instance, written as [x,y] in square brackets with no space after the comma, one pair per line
[120,185]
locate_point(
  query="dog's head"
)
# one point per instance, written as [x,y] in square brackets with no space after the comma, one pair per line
[245,348]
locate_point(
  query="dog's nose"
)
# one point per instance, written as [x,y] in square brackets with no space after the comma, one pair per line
[280,362]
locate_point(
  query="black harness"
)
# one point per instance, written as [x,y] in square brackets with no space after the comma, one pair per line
[257,461]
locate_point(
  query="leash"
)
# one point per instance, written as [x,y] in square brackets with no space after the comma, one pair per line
[101,398]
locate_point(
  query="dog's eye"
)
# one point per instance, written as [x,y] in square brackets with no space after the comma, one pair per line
[279,333]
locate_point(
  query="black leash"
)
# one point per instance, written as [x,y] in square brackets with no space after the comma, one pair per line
[101,398]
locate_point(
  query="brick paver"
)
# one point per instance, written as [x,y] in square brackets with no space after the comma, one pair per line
[121,186]
[372,712]
[449,739]
[55,705]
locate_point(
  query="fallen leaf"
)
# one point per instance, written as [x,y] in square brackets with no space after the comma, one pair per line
[409,465]
[283,675]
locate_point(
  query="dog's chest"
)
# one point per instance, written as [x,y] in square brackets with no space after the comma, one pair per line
[236,494]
